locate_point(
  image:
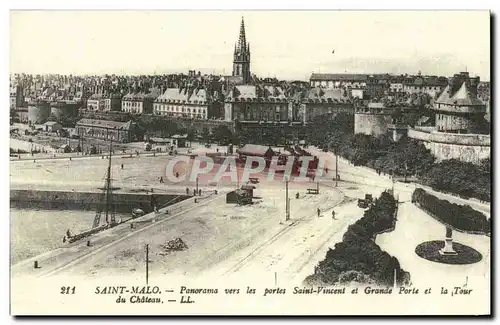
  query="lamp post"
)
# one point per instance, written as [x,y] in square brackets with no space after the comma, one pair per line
[287,206]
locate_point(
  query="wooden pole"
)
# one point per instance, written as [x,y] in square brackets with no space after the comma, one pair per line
[336,169]
[147,264]
[287,207]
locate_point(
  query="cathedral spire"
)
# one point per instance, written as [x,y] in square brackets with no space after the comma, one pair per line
[241,62]
[242,42]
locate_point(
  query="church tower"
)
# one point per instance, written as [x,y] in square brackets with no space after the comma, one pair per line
[241,61]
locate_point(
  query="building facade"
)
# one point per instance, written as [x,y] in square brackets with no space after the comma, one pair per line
[187,102]
[338,80]
[431,86]
[107,130]
[322,103]
[256,103]
[460,125]
[458,110]
[95,102]
[138,102]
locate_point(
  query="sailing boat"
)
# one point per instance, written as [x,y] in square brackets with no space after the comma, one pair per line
[105,207]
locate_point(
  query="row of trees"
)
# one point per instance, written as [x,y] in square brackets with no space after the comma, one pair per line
[357,257]
[461,217]
[403,158]
[462,178]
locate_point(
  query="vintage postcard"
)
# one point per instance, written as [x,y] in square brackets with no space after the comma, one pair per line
[250,163]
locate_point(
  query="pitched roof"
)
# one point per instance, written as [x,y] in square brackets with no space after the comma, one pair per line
[140,95]
[105,124]
[315,93]
[339,76]
[254,150]
[461,97]
[50,123]
[185,94]
[257,91]
[232,79]
[376,105]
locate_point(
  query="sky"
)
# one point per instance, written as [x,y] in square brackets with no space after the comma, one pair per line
[284,44]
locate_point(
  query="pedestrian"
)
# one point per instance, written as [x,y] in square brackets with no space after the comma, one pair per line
[326,169]
[199,192]
[177,174]
[161,179]
[319,212]
[297,195]
[122,166]
[333,215]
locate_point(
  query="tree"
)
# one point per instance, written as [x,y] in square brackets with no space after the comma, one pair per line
[205,134]
[191,134]
[222,135]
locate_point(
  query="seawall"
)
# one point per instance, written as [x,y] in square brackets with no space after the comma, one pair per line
[69,200]
[465,147]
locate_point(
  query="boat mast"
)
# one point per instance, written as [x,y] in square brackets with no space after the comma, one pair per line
[108,184]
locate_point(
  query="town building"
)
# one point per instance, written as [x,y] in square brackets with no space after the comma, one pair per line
[458,110]
[338,80]
[107,130]
[95,102]
[396,85]
[324,103]
[104,102]
[256,103]
[112,102]
[52,126]
[460,130]
[16,97]
[424,84]
[189,102]
[254,150]
[139,102]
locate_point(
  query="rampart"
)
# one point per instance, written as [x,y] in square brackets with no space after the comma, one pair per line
[465,147]
[374,124]
[69,200]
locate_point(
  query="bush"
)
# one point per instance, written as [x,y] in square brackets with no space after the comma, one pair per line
[461,217]
[462,178]
[357,258]
[406,157]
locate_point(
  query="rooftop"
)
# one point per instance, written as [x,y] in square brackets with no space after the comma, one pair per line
[339,76]
[105,124]
[462,97]
[193,95]
[254,150]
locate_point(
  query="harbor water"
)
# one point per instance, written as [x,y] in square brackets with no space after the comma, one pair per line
[36,231]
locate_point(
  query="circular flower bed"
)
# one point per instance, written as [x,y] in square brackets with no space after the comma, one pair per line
[465,254]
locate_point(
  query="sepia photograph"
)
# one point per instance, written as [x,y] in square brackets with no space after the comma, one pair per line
[170,162]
